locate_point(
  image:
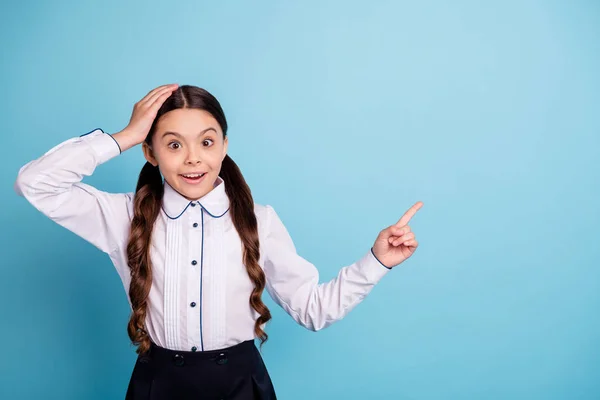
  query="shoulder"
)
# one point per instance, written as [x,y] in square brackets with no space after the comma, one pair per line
[269,221]
[123,202]
[124,198]
[122,207]
[264,214]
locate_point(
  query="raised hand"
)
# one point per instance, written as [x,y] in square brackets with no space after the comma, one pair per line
[142,117]
[397,242]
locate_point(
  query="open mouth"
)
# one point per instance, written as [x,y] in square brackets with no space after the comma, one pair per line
[193,178]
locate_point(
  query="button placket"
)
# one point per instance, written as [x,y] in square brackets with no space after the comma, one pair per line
[195,289]
[201,255]
[201,258]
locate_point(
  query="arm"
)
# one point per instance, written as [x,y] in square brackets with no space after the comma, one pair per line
[52,184]
[293,282]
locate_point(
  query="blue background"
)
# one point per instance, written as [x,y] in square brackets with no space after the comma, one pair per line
[342,115]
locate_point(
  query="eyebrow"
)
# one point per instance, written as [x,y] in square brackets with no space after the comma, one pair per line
[179,135]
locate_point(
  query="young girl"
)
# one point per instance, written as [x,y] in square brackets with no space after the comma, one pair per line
[193,250]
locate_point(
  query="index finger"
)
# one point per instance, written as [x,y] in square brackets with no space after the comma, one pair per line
[409,214]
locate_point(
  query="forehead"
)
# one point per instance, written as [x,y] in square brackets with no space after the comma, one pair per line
[186,121]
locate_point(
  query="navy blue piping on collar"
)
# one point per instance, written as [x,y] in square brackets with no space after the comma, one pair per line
[180,214]
[197,202]
[378,259]
[111,136]
[208,212]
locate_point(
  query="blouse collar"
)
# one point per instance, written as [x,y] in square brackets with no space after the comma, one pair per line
[215,202]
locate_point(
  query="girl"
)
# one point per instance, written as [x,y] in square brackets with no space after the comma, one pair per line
[193,250]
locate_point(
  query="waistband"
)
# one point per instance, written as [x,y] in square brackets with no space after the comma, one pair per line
[183,357]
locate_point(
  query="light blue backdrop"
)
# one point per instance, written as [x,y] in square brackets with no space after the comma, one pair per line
[342,115]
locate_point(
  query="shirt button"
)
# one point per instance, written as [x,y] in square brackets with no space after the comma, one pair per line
[195,225]
[193,204]
[194,262]
[178,360]
[193,304]
[194,348]
[222,359]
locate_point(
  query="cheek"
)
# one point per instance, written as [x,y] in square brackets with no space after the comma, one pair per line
[168,162]
[214,163]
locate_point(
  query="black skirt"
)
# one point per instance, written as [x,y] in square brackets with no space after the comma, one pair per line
[233,373]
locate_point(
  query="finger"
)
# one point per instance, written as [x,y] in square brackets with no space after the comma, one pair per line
[399,231]
[395,231]
[152,94]
[158,89]
[408,243]
[409,214]
[411,243]
[404,238]
[152,100]
[399,240]
[160,100]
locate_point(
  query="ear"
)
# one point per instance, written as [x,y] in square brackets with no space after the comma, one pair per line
[148,154]
[225,145]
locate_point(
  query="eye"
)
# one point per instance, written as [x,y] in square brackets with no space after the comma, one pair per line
[207,140]
[174,143]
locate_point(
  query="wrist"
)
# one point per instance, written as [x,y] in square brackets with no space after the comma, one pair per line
[125,140]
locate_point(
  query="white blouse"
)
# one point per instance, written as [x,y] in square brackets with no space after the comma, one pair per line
[199,299]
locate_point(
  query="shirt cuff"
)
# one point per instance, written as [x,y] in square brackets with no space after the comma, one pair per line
[104,145]
[373,269]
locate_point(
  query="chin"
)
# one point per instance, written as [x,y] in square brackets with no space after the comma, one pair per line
[193,194]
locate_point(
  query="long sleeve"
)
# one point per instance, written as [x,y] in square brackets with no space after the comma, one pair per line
[52,184]
[293,282]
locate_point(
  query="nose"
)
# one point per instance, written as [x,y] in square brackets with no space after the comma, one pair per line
[193,158]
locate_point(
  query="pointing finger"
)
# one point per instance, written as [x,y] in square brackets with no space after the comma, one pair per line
[409,214]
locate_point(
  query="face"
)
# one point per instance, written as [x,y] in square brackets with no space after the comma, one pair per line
[188,143]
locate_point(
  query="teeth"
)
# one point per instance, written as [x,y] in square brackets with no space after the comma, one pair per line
[193,175]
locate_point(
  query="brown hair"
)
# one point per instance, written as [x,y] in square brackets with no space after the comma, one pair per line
[147,205]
